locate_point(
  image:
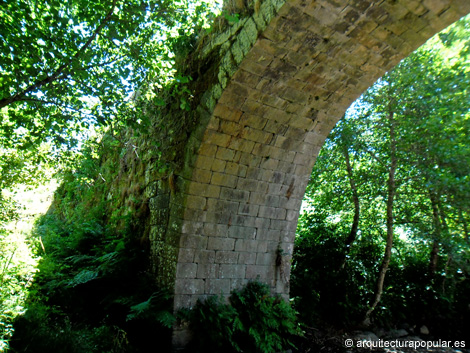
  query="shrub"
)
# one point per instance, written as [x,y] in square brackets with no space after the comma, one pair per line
[254,321]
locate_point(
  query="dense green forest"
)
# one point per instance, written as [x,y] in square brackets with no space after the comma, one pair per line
[383,240]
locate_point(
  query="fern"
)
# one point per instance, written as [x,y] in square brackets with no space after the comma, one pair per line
[153,307]
[254,322]
[83,277]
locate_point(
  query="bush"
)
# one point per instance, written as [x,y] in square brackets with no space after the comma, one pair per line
[93,292]
[254,322]
[322,291]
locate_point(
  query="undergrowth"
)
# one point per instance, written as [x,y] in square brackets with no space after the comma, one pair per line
[94,291]
[254,321]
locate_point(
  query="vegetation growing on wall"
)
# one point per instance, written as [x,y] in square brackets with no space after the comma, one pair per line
[94,291]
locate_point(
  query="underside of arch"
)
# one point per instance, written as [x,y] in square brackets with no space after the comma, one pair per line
[233,216]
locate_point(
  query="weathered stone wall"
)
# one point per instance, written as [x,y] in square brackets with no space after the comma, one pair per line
[168,199]
[286,75]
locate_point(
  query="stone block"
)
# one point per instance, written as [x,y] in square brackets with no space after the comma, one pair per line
[234,194]
[238,283]
[207,149]
[254,108]
[218,165]
[262,246]
[237,232]
[257,272]
[204,256]
[275,189]
[249,159]
[231,271]
[201,176]
[231,168]
[266,212]
[189,241]
[189,286]
[287,248]
[207,271]
[279,224]
[218,216]
[257,198]
[222,205]
[226,257]
[225,154]
[273,201]
[248,185]
[204,190]
[273,235]
[292,215]
[204,162]
[230,127]
[262,224]
[217,286]
[221,179]
[216,243]
[253,173]
[215,230]
[247,258]
[242,220]
[186,270]
[246,245]
[186,255]
[195,202]
[240,144]
[216,138]
[180,338]
[248,209]
[256,135]
[265,259]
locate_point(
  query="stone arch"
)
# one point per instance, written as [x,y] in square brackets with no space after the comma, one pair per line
[287,76]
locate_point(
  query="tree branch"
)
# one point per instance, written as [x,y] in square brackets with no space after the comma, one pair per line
[21,95]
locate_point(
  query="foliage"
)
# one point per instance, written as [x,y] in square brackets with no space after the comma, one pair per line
[69,65]
[322,292]
[427,96]
[69,69]
[254,321]
[17,267]
[18,261]
[94,291]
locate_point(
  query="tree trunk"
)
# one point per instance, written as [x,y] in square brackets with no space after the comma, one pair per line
[436,234]
[434,258]
[355,225]
[464,224]
[391,191]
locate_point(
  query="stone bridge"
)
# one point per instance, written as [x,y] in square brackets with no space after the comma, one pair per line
[284,76]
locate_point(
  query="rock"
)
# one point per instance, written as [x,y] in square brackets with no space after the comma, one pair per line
[412,338]
[366,336]
[424,330]
[405,326]
[380,332]
[397,333]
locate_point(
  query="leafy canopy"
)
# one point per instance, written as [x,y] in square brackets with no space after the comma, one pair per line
[67,65]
